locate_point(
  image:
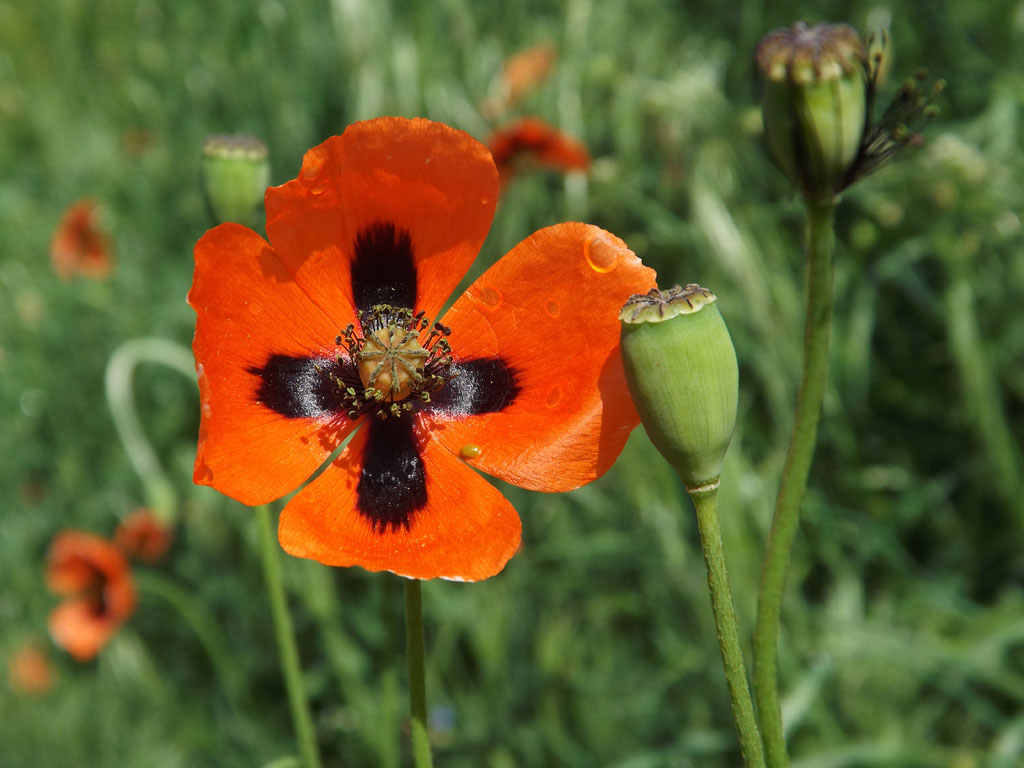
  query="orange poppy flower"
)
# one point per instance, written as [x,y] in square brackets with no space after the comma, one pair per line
[79,246]
[142,537]
[30,671]
[532,141]
[326,328]
[95,576]
[521,73]
[527,69]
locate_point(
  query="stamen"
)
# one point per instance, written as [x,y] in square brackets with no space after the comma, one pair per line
[395,368]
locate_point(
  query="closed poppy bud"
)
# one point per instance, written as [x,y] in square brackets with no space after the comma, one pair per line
[682,373]
[815,103]
[235,176]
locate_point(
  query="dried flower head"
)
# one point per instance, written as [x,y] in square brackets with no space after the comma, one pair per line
[818,92]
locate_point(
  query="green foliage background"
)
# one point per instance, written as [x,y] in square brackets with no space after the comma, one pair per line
[903,641]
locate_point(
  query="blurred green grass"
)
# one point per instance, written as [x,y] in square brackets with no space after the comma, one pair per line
[903,639]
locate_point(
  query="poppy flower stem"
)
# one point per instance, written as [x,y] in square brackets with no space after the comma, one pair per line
[820,246]
[160,493]
[297,700]
[416,651]
[195,615]
[705,501]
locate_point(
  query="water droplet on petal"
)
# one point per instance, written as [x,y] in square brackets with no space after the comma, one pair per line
[313,163]
[601,255]
[553,308]
[554,395]
[490,297]
[470,451]
[319,188]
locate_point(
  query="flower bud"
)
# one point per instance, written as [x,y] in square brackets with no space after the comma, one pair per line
[235,177]
[682,373]
[815,103]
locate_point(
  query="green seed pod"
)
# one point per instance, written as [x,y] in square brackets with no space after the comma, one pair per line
[235,177]
[815,103]
[682,373]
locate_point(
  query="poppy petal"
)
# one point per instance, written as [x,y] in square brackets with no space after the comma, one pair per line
[265,358]
[30,671]
[97,574]
[460,528]
[79,246]
[77,560]
[548,311]
[144,536]
[391,208]
[78,629]
[531,140]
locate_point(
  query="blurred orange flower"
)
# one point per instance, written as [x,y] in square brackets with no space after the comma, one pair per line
[532,141]
[30,671]
[521,73]
[96,577]
[79,246]
[525,70]
[142,537]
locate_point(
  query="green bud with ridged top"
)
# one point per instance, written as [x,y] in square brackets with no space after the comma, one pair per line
[682,373]
[815,103]
[235,177]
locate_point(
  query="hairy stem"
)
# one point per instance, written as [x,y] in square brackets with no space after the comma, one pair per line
[705,500]
[416,650]
[297,701]
[820,246]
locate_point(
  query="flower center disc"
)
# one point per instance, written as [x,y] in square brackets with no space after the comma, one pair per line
[392,361]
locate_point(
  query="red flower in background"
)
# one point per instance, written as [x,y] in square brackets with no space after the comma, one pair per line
[525,70]
[142,537]
[30,671]
[79,246]
[101,595]
[325,330]
[531,141]
[521,73]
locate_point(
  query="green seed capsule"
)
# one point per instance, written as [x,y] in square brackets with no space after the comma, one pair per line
[235,177]
[815,96]
[682,373]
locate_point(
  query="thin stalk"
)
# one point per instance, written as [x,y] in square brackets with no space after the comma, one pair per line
[705,500]
[195,615]
[820,246]
[416,650]
[160,493]
[289,654]
[982,394]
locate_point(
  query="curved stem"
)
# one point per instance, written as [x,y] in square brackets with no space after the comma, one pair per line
[820,245]
[194,614]
[416,650]
[160,493]
[301,718]
[705,500]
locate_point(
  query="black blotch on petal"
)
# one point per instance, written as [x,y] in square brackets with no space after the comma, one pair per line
[300,387]
[483,385]
[393,481]
[383,270]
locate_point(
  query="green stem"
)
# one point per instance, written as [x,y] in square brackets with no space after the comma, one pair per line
[160,493]
[416,650]
[705,500]
[820,246]
[301,718]
[982,394]
[195,615]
